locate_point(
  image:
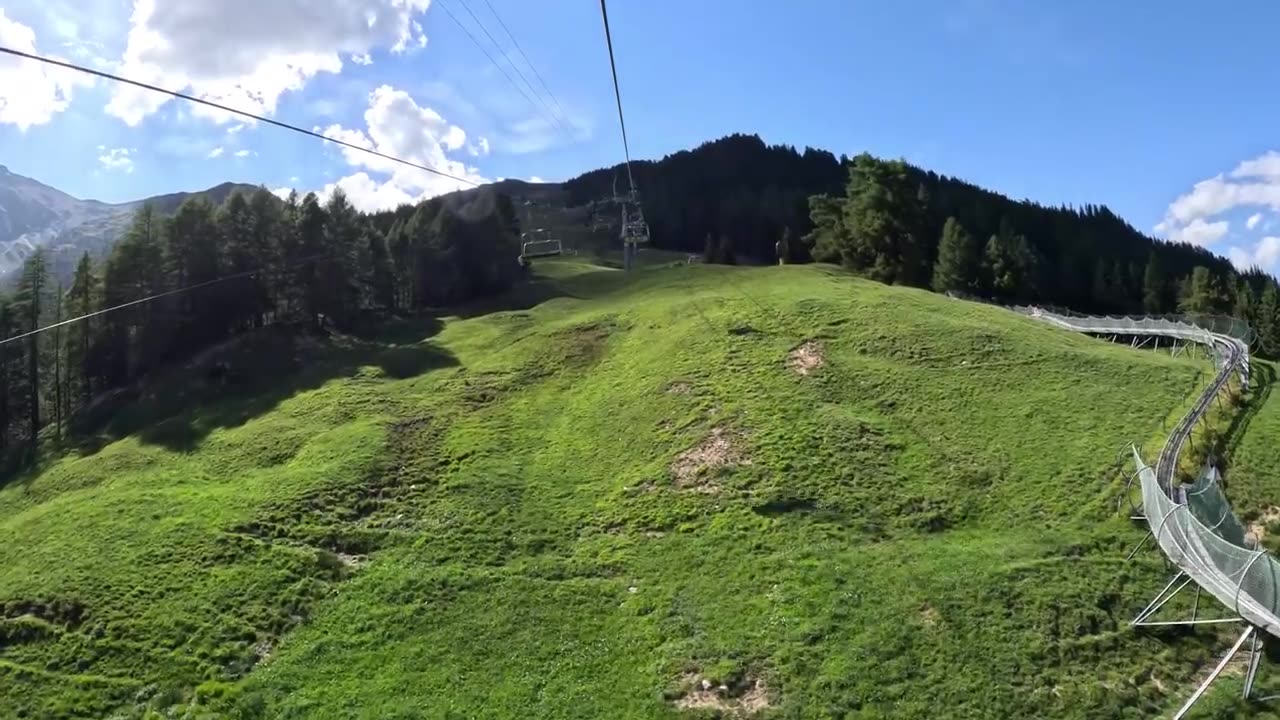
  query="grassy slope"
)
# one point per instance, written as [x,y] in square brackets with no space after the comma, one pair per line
[925,525]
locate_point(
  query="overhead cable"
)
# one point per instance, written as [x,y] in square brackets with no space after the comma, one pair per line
[534,68]
[604,13]
[496,44]
[234,111]
[496,64]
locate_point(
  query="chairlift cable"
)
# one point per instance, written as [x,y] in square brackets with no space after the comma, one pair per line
[228,109]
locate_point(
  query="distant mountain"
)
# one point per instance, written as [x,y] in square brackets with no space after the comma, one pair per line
[33,215]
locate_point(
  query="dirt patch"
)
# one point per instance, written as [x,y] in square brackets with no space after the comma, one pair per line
[692,469]
[805,358]
[262,650]
[1258,528]
[928,615]
[679,388]
[352,562]
[746,699]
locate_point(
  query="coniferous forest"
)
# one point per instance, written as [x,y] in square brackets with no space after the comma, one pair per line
[735,198]
[298,262]
[309,264]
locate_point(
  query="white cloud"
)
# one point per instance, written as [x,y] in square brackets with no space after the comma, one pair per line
[1265,254]
[116,158]
[294,179]
[216,152]
[1253,221]
[31,93]
[1264,166]
[536,179]
[479,147]
[362,59]
[1268,251]
[368,194]
[1199,232]
[1254,183]
[247,53]
[235,128]
[396,125]
[244,153]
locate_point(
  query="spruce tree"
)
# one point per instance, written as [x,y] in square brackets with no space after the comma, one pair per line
[957,267]
[1267,319]
[1153,286]
[31,297]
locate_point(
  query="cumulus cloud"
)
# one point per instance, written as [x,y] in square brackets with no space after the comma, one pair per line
[247,53]
[244,153]
[1252,184]
[479,147]
[216,152]
[1199,232]
[396,125]
[1265,166]
[31,93]
[362,59]
[1265,254]
[116,158]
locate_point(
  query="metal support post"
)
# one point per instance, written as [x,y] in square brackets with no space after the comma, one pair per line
[1255,659]
[1214,675]
[1138,547]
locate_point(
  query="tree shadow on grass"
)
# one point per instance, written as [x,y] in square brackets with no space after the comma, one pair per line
[251,376]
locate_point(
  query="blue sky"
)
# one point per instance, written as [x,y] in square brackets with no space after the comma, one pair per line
[1163,111]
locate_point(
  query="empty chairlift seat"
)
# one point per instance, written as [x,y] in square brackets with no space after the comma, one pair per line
[540,248]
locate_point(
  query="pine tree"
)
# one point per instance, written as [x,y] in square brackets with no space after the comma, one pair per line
[82,299]
[310,223]
[1267,319]
[881,214]
[193,244]
[57,364]
[338,269]
[957,267]
[1153,286]
[1203,294]
[31,296]
[9,376]
[1244,303]
[381,275]
[1101,287]
[241,298]
[710,250]
[1001,268]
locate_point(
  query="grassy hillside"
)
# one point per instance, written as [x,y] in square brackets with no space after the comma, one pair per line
[589,507]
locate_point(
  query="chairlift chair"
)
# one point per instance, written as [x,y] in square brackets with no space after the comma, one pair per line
[541,248]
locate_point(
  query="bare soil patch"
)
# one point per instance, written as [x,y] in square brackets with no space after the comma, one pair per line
[693,468]
[805,358]
[928,616]
[1258,528]
[744,700]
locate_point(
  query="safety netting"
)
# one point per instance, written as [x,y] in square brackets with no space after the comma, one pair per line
[1193,524]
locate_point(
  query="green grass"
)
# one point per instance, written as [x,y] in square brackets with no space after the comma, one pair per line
[479,520]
